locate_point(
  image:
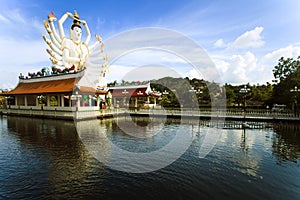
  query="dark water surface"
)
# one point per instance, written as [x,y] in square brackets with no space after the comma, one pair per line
[46,159]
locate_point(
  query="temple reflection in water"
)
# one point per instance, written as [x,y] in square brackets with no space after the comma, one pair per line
[56,146]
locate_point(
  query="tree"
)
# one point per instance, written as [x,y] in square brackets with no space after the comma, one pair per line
[261,94]
[288,73]
[2,99]
[230,94]
[2,102]
[112,84]
[285,68]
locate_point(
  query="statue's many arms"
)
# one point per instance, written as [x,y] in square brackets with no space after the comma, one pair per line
[72,52]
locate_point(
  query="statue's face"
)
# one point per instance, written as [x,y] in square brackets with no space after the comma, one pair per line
[76,34]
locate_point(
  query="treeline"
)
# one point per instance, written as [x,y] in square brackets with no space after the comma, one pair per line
[204,92]
[189,92]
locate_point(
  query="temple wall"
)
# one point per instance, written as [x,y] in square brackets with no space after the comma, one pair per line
[54,112]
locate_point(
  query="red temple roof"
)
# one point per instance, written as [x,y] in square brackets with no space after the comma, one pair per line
[133,91]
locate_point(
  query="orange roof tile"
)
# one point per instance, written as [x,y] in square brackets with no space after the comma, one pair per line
[51,86]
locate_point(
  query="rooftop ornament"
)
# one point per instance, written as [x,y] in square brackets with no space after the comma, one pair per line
[125,92]
[140,93]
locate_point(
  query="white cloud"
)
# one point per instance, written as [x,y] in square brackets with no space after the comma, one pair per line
[19,56]
[287,52]
[249,39]
[267,62]
[244,68]
[219,43]
[193,73]
[236,68]
[250,61]
[20,52]
[117,72]
[15,16]
[9,79]
[156,46]
[140,73]
[3,19]
[147,56]
[221,65]
[18,25]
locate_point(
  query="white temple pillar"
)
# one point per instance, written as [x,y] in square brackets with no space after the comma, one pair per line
[98,101]
[154,101]
[62,100]
[78,102]
[124,101]
[136,102]
[90,100]
[36,101]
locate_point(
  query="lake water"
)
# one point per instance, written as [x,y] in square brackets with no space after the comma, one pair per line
[51,159]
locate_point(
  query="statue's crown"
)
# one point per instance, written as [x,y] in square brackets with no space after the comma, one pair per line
[76,21]
[76,15]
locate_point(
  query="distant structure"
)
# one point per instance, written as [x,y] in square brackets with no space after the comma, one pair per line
[134,96]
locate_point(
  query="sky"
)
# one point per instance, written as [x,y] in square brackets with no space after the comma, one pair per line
[243,39]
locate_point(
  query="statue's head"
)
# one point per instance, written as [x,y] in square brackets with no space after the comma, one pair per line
[76,33]
[76,30]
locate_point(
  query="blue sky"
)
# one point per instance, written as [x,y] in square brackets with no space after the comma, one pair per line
[244,39]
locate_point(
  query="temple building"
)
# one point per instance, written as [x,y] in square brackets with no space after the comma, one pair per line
[58,95]
[134,96]
[62,91]
[53,91]
[76,81]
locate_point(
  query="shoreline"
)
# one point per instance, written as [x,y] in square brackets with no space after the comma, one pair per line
[104,114]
